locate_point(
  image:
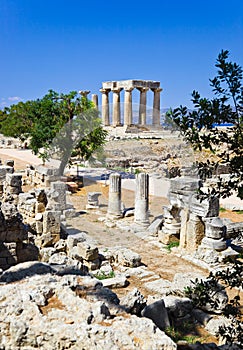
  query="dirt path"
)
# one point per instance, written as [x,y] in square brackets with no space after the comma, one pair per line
[160,261]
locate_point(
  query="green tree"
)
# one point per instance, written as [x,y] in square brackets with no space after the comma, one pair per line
[200,126]
[55,125]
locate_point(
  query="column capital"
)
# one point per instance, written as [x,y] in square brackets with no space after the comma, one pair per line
[129,89]
[116,90]
[105,91]
[84,92]
[156,89]
[142,89]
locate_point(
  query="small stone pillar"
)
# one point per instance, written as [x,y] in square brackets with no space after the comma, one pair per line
[93,200]
[105,107]
[142,106]
[128,107]
[215,234]
[141,201]
[94,99]
[114,203]
[116,107]
[84,93]
[156,107]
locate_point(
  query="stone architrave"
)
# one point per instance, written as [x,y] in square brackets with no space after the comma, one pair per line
[116,107]
[156,107]
[142,106]
[114,202]
[128,107]
[94,99]
[141,201]
[105,107]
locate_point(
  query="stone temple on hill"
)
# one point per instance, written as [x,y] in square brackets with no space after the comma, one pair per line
[128,86]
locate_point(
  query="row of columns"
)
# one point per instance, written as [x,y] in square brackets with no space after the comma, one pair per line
[141,215]
[116,116]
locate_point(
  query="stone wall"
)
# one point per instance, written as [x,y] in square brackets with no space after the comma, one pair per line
[41,175]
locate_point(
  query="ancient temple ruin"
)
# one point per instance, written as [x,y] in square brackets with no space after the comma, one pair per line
[128,86]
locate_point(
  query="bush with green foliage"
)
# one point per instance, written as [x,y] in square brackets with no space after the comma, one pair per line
[202,292]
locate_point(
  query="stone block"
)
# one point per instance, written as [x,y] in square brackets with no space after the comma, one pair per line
[127,257]
[74,239]
[14,180]
[178,307]
[184,184]
[204,208]
[9,162]
[134,302]
[60,188]
[39,227]
[156,225]
[215,244]
[158,314]
[215,228]
[51,222]
[87,251]
[119,281]
[167,238]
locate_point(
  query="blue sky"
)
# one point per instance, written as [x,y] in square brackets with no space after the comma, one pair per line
[74,44]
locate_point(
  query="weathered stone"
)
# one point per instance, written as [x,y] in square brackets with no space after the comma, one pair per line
[214,323]
[167,238]
[93,200]
[216,244]
[114,203]
[74,239]
[51,222]
[201,316]
[183,280]
[158,314]
[160,286]
[127,257]
[155,226]
[177,307]
[87,251]
[60,188]
[23,270]
[134,302]
[9,162]
[92,264]
[215,228]
[119,281]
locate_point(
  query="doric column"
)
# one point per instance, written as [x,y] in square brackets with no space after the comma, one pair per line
[156,106]
[142,199]
[105,106]
[84,93]
[116,117]
[94,99]
[128,107]
[114,201]
[142,106]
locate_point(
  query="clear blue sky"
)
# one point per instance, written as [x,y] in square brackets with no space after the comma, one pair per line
[76,44]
